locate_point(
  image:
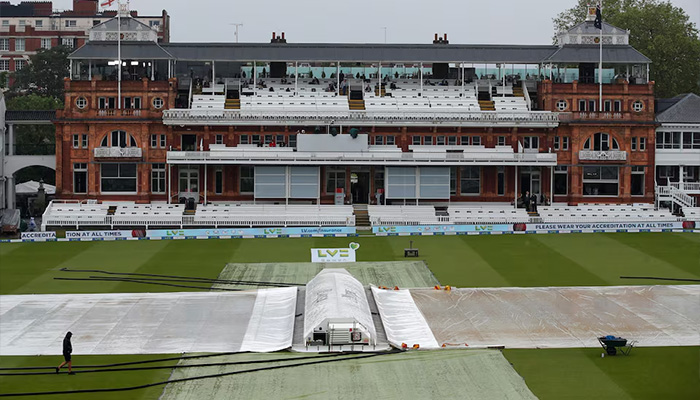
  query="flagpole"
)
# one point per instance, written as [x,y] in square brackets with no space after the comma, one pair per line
[119,54]
[600,63]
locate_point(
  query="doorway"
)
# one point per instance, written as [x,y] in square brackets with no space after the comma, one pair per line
[359,181]
[531,181]
[189,182]
[189,142]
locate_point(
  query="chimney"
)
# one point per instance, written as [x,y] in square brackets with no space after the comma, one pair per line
[273,35]
[445,37]
[435,40]
[282,35]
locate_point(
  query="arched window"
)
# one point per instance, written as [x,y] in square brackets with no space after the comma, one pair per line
[601,142]
[118,139]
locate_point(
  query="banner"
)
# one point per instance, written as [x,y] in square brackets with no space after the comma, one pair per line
[333,255]
[105,234]
[313,230]
[439,229]
[38,235]
[611,226]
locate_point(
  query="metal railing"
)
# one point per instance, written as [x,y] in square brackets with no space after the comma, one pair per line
[686,186]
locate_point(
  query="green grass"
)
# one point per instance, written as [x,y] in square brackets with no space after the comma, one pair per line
[647,373]
[65,382]
[463,261]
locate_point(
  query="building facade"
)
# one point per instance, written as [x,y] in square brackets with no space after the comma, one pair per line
[32,25]
[286,122]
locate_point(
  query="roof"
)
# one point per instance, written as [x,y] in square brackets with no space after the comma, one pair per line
[685,109]
[587,27]
[21,115]
[130,50]
[612,54]
[128,24]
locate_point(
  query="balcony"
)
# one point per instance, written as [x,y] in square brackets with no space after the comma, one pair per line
[534,119]
[117,152]
[126,112]
[376,155]
[610,155]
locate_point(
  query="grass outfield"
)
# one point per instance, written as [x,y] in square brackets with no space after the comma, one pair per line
[465,261]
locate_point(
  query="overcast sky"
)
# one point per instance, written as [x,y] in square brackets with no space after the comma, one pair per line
[361,21]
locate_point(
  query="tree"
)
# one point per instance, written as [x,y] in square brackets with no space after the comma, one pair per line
[44,73]
[658,30]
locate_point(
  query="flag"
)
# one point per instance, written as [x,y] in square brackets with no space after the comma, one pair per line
[107,3]
[520,147]
[598,18]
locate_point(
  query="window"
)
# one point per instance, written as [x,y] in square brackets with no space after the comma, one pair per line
[155,24]
[379,140]
[556,143]
[4,65]
[4,44]
[132,102]
[502,141]
[20,44]
[607,106]
[118,178]
[634,144]
[470,180]
[390,140]
[428,140]
[268,139]
[39,23]
[501,181]
[416,141]
[218,180]
[118,139]
[292,140]
[279,140]
[68,42]
[154,141]
[162,141]
[637,183]
[379,179]
[565,143]
[464,140]
[531,143]
[107,102]
[5,23]
[158,178]
[476,140]
[247,184]
[440,141]
[638,106]
[617,106]
[453,180]
[668,140]
[452,140]
[84,141]
[219,139]
[591,105]
[561,180]
[582,105]
[95,22]
[642,144]
[79,178]
[601,142]
[76,141]
[562,105]
[20,63]
[335,179]
[46,43]
[244,139]
[22,23]
[81,102]
[71,23]
[600,181]
[691,140]
[158,102]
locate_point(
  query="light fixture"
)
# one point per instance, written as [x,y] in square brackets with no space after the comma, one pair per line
[134,63]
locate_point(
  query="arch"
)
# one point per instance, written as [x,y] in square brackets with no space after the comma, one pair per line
[118,138]
[13,164]
[601,141]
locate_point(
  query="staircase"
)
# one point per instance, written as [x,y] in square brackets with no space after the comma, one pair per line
[381,91]
[111,210]
[673,195]
[487,105]
[535,217]
[518,91]
[233,104]
[361,217]
[356,105]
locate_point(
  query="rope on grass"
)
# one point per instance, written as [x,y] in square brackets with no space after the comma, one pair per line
[194,378]
[145,282]
[661,278]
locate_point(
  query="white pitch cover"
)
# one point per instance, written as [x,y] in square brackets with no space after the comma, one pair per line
[403,321]
[271,324]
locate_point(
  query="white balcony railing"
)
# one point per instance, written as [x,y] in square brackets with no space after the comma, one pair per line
[117,152]
[610,155]
[360,118]
[690,187]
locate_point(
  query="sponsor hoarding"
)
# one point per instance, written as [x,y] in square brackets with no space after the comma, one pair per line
[607,226]
[431,229]
[38,235]
[104,234]
[314,230]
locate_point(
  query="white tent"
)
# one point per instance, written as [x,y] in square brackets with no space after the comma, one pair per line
[31,187]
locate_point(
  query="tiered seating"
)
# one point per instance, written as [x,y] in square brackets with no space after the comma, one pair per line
[74,214]
[402,215]
[604,213]
[691,213]
[509,103]
[466,214]
[252,215]
[294,103]
[208,104]
[148,215]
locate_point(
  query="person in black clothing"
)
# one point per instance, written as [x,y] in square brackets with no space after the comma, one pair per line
[533,203]
[527,200]
[67,350]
